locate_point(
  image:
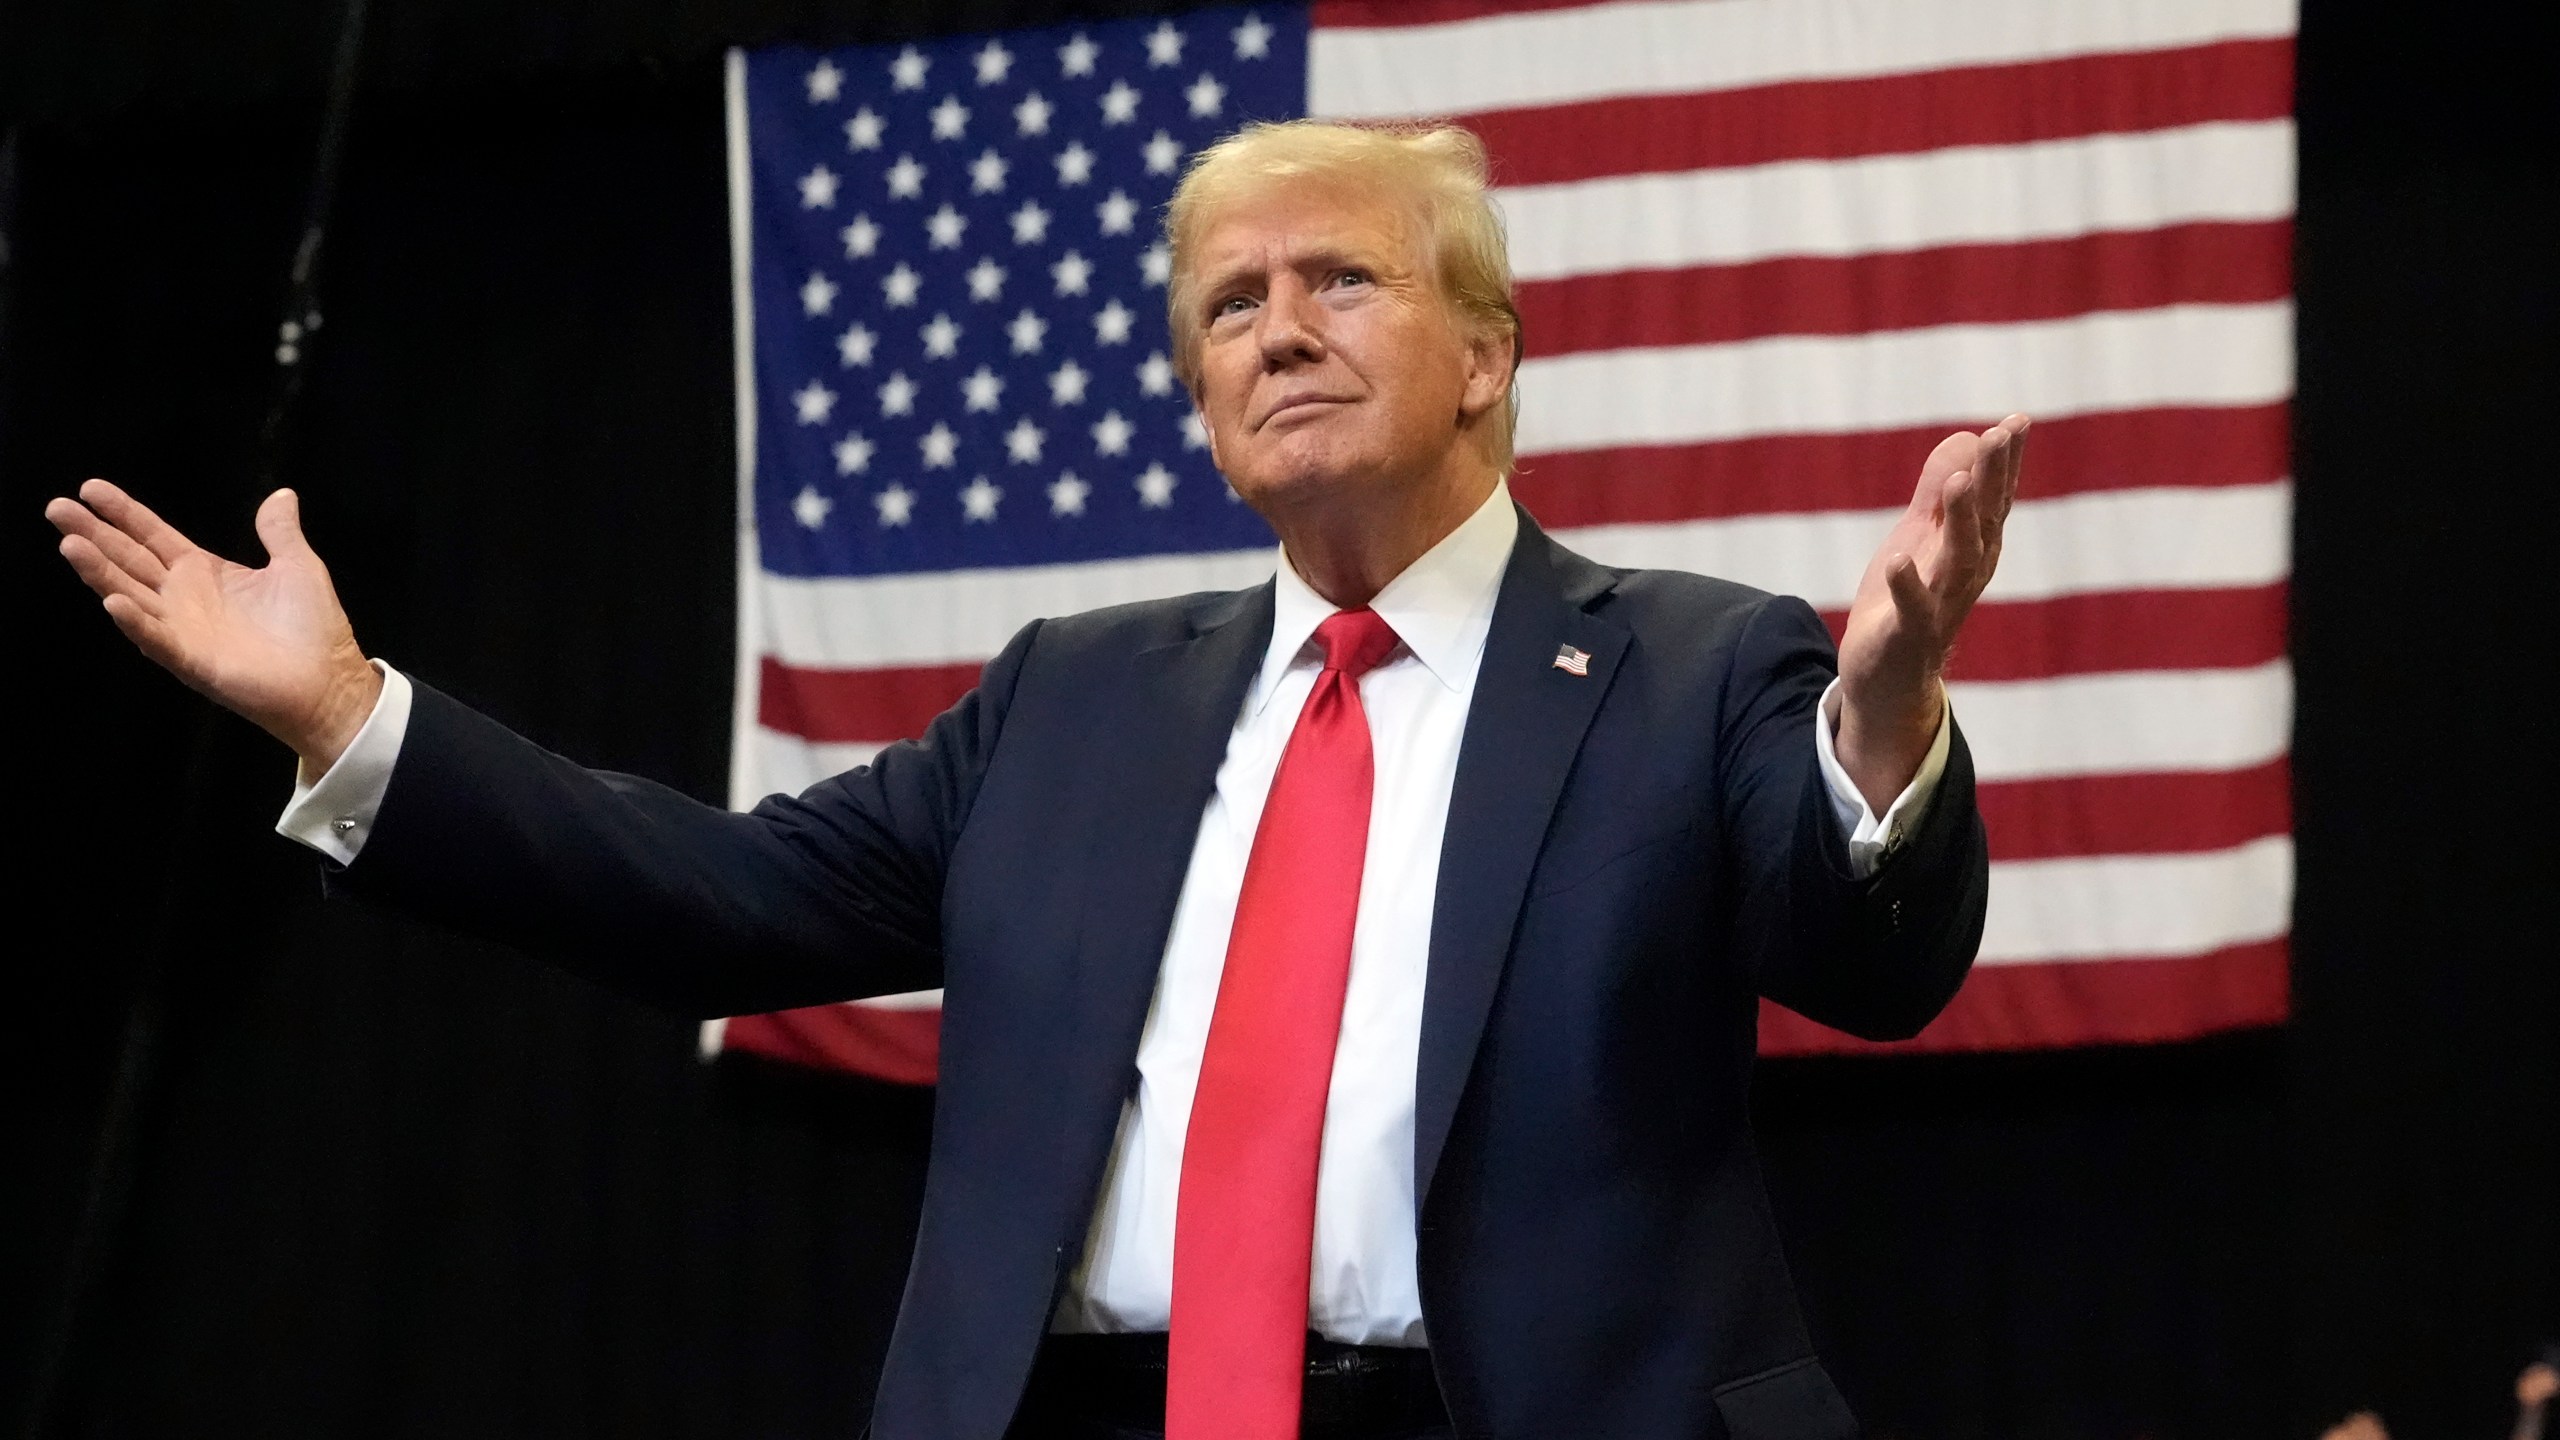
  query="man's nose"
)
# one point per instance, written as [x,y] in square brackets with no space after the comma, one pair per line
[1292,328]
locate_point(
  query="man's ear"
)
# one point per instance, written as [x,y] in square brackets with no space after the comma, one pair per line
[1208,432]
[1492,356]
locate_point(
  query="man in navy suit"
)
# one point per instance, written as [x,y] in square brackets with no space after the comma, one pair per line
[1349,982]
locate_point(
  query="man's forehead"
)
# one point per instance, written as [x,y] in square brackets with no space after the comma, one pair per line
[1290,218]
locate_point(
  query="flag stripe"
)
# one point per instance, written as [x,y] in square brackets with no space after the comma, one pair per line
[2094,1002]
[1891,114]
[2124,814]
[1989,194]
[2114,907]
[2177,355]
[2144,720]
[1875,469]
[2218,538]
[2209,264]
[1473,60]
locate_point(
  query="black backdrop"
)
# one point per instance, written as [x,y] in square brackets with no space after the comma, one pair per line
[381,1181]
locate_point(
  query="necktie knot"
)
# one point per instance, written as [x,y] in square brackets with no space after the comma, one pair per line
[1355,641]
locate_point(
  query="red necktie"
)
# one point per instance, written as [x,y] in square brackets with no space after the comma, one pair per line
[1244,1219]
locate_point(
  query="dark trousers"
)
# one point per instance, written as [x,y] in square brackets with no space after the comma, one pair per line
[1111,1387]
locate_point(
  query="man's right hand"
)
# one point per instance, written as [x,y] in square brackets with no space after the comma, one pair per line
[272,644]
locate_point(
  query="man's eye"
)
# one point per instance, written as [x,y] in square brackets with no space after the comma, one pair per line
[1351,277]
[1233,305]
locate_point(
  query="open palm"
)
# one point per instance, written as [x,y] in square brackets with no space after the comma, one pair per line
[271,643]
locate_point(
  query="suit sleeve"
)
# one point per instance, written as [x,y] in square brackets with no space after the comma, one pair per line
[833,895]
[1877,957]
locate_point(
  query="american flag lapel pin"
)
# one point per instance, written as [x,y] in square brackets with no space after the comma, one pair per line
[1572,661]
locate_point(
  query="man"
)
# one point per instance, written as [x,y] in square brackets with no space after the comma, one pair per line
[1350,982]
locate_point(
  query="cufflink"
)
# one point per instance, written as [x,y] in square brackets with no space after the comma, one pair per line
[342,826]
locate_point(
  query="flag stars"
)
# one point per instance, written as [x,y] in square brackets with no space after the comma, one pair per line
[1195,435]
[1026,332]
[1253,38]
[854,346]
[906,179]
[1075,164]
[986,279]
[863,131]
[817,294]
[994,63]
[1117,214]
[950,118]
[1155,376]
[1031,116]
[1066,384]
[944,227]
[1164,46]
[814,403]
[898,394]
[1206,95]
[1119,104]
[1072,271]
[1155,264]
[907,71]
[1030,224]
[1155,487]
[978,502]
[986,174]
[939,446]
[1022,442]
[853,455]
[941,338]
[1111,434]
[810,508]
[1163,154]
[899,286]
[1076,57]
[818,189]
[1111,324]
[897,505]
[825,83]
[982,389]
[1067,494]
[861,238]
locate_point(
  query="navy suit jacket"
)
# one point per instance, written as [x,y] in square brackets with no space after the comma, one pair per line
[1633,857]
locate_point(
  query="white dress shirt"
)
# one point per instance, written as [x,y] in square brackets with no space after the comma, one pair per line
[1362,1287]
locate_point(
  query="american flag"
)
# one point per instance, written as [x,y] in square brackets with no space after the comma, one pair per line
[1768,252]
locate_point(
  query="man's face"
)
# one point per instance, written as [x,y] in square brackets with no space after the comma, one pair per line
[1328,357]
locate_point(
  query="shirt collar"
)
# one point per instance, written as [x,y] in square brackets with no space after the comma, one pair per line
[1441,607]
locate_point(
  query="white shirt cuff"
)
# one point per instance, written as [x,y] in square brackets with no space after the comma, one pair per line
[334,813]
[1873,837]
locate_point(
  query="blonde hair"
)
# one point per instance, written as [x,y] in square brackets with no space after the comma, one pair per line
[1440,170]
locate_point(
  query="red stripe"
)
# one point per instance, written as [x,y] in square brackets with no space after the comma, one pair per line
[869,706]
[1874,470]
[2115,630]
[1405,14]
[901,1046]
[2016,104]
[2183,813]
[2080,1002]
[2202,264]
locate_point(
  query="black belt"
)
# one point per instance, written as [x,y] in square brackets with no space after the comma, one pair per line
[1353,1392]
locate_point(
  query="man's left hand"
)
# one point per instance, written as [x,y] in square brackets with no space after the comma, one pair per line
[1912,601]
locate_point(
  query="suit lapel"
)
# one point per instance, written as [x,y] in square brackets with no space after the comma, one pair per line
[1524,727]
[1176,709]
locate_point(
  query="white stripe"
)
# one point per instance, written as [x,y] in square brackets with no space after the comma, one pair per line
[965,616]
[1964,195]
[1506,62]
[743,695]
[2134,723]
[2162,539]
[2177,539]
[786,764]
[2121,906]
[1802,384]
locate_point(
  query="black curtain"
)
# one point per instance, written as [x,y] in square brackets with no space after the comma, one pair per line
[383,1181]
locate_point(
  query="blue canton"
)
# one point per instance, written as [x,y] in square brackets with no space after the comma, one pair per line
[959,284]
